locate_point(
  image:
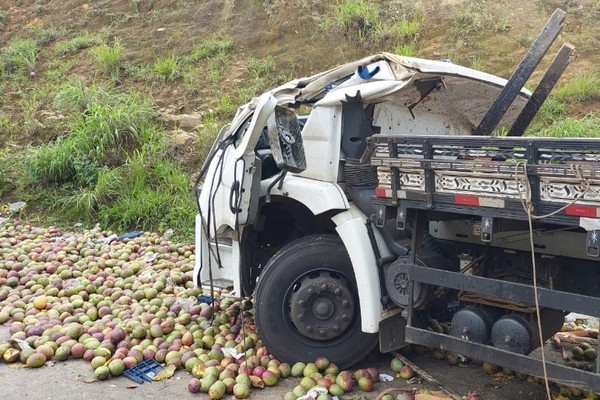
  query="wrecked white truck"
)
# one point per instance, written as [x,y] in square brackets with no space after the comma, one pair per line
[365,203]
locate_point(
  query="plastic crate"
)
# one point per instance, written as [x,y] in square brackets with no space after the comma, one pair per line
[144,371]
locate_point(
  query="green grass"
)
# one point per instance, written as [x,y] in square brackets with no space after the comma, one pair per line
[83,41]
[216,45]
[167,68]
[110,58]
[114,165]
[109,125]
[409,27]
[477,63]
[260,67]
[29,107]
[588,126]
[57,70]
[52,163]
[75,96]
[583,87]
[502,24]
[471,19]
[156,187]
[358,19]
[19,57]
[44,35]
[2,18]
[407,49]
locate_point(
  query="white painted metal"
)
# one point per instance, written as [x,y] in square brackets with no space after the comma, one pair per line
[322,128]
[317,196]
[352,229]
[206,265]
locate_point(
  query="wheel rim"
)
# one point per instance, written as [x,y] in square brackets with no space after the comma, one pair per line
[321,305]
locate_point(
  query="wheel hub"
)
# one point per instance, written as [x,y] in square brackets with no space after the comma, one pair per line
[321,307]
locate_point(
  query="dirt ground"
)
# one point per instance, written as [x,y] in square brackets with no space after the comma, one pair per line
[74,379]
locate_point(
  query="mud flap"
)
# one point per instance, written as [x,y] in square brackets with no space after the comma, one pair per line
[391,333]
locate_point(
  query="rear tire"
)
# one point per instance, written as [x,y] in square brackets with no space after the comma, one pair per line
[307,304]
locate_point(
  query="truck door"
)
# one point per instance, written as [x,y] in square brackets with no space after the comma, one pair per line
[227,199]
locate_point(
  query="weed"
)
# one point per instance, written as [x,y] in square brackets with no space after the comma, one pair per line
[553,107]
[158,195]
[135,4]
[110,58]
[207,135]
[109,184]
[502,24]
[81,42]
[52,163]
[470,19]
[215,45]
[44,35]
[8,126]
[246,93]
[105,128]
[227,108]
[58,69]
[167,68]
[75,96]
[358,19]
[12,178]
[156,15]
[257,67]
[407,49]
[582,87]
[19,57]
[2,18]
[141,71]
[82,205]
[191,76]
[29,108]
[99,136]
[589,126]
[477,63]
[409,27]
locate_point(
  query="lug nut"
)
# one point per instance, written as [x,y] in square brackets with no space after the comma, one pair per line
[345,303]
[322,332]
[301,317]
[308,328]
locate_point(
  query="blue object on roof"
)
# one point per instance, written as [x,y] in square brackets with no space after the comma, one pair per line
[364,72]
[144,371]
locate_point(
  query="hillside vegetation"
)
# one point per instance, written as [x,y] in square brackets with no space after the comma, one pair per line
[107,108]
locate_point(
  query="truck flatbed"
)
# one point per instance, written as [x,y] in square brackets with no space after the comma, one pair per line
[490,176]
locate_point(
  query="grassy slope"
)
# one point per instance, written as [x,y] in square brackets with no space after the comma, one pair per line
[209,56]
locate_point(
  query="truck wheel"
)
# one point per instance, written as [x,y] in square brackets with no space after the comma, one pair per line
[307,304]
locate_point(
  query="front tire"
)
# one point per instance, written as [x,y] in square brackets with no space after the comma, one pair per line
[307,304]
